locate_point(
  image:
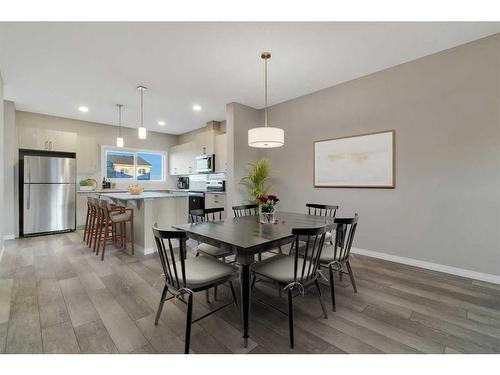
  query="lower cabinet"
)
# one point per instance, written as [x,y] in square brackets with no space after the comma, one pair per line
[216,200]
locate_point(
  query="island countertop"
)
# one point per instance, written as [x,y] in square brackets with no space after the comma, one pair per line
[144,195]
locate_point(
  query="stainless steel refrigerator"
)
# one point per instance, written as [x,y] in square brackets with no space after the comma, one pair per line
[48,199]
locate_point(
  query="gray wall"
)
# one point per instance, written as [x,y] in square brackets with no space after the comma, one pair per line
[1,168]
[239,119]
[11,222]
[445,110]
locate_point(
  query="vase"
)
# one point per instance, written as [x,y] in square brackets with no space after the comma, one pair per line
[267,217]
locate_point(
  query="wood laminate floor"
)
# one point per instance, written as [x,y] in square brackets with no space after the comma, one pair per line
[56,296]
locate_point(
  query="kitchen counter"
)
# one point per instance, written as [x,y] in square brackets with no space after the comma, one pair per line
[103,191]
[143,195]
[151,207]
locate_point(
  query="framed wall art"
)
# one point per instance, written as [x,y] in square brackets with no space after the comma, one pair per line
[358,161]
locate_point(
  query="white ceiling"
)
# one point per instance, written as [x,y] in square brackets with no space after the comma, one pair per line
[53,68]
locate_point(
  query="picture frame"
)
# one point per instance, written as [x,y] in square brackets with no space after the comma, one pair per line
[356,161]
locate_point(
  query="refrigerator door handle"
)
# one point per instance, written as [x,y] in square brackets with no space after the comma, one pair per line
[29,171]
[29,197]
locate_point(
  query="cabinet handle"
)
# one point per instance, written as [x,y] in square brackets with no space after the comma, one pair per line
[50,145]
[204,150]
[46,145]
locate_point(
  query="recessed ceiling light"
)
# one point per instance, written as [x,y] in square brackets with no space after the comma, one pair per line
[197,107]
[161,123]
[83,108]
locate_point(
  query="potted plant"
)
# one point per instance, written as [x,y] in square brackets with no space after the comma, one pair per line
[267,208]
[257,180]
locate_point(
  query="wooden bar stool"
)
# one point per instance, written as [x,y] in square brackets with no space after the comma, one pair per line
[86,230]
[109,221]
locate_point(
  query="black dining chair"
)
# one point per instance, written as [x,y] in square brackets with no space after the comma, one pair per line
[323,210]
[251,210]
[208,214]
[246,210]
[200,216]
[335,257]
[295,273]
[186,276]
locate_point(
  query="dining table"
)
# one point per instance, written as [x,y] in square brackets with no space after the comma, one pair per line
[246,237]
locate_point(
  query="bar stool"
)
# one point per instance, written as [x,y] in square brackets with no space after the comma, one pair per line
[109,222]
[86,230]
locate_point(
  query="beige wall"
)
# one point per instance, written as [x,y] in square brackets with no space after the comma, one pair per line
[445,208]
[1,168]
[239,118]
[11,223]
[103,134]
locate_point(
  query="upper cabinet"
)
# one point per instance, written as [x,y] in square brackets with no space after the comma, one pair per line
[182,159]
[87,153]
[48,140]
[205,142]
[221,153]
[208,141]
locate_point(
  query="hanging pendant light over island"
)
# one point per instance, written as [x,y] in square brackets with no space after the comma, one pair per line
[119,139]
[142,129]
[266,136]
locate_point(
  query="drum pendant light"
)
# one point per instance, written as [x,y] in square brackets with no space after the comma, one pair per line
[119,139]
[266,136]
[142,129]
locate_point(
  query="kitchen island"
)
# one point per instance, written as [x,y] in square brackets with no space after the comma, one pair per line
[165,209]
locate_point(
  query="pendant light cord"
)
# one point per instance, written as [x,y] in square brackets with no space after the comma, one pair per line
[265,94]
[142,107]
[120,120]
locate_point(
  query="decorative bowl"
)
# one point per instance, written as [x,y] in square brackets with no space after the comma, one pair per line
[135,190]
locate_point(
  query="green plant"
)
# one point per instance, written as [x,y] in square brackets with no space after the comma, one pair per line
[257,180]
[86,182]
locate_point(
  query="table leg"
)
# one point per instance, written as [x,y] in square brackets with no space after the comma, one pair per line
[245,300]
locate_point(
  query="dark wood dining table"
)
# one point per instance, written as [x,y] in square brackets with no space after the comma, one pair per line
[246,237]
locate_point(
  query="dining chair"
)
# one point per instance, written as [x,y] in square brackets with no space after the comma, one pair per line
[251,210]
[208,214]
[246,210]
[200,216]
[185,276]
[323,210]
[295,273]
[335,257]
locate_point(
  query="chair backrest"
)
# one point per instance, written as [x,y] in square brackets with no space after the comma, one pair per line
[206,214]
[344,236]
[245,210]
[321,209]
[173,264]
[103,205]
[310,252]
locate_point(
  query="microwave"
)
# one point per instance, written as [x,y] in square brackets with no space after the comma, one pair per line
[205,164]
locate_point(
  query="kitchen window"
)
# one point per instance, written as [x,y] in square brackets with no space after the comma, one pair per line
[133,165]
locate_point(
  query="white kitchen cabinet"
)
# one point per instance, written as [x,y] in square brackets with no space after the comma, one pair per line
[182,159]
[221,153]
[87,155]
[216,200]
[48,140]
[205,142]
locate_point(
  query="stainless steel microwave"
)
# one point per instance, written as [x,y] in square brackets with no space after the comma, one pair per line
[205,163]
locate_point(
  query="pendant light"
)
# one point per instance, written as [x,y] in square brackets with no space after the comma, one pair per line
[119,139]
[142,129]
[266,136]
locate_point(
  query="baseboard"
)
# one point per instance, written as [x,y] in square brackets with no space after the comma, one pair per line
[7,237]
[495,279]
